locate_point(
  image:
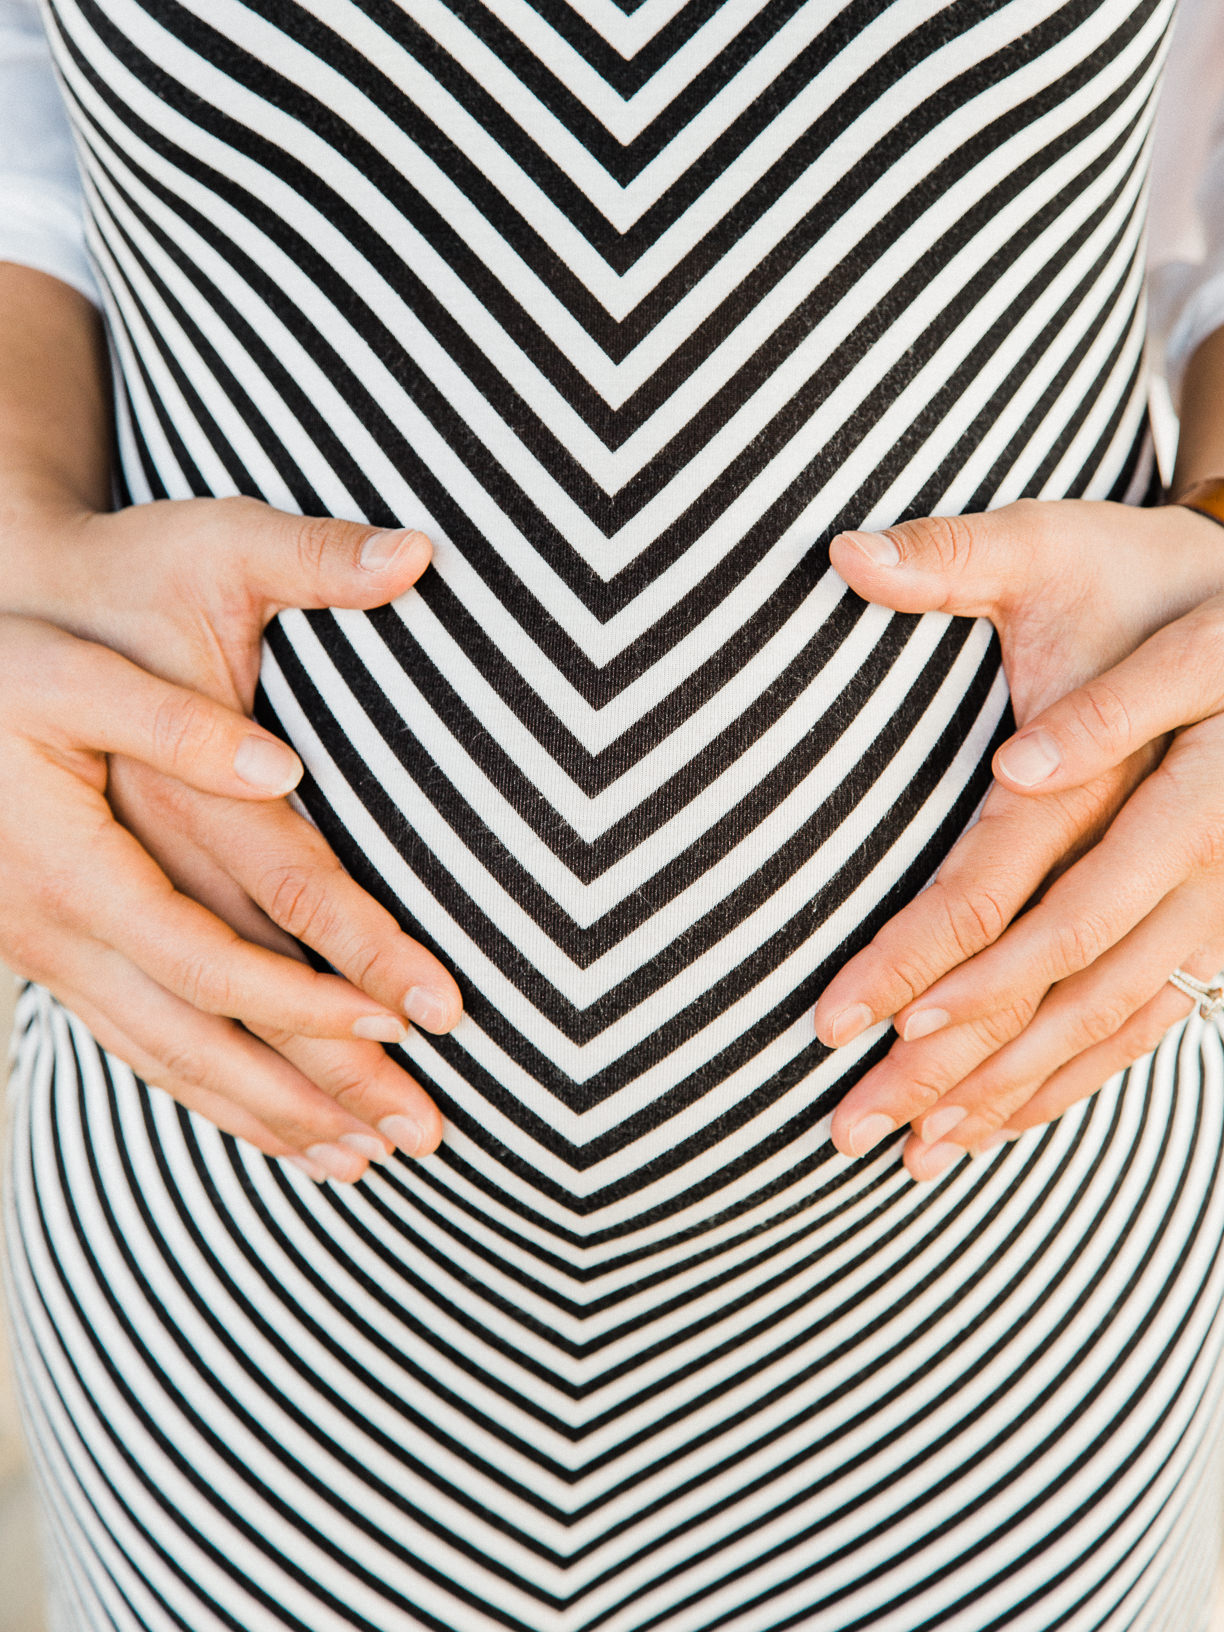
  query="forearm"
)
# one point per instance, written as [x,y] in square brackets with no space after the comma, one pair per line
[1200,447]
[55,436]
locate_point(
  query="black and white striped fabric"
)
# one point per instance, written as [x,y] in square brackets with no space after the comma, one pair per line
[631,306]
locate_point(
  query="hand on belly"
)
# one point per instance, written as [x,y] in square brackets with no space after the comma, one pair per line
[1105,820]
[154,877]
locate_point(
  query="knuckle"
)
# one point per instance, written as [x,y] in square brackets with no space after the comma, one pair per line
[977,918]
[344,1071]
[59,894]
[158,798]
[908,976]
[1004,1023]
[351,1089]
[1078,942]
[317,541]
[1207,638]
[947,541]
[202,984]
[279,1038]
[989,1117]
[1104,714]
[1028,513]
[24,952]
[923,1095]
[1191,794]
[1078,815]
[291,898]
[1140,1037]
[1179,774]
[1037,523]
[1206,847]
[184,1066]
[233,513]
[372,967]
[181,729]
[1098,1021]
[348,1080]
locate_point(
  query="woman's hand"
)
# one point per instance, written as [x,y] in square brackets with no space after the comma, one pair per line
[1035,1016]
[120,929]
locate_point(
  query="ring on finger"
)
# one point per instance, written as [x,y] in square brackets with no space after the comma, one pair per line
[1210,999]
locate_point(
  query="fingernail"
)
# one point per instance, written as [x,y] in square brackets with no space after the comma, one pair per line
[866,1135]
[311,1170]
[940,1122]
[428,1009]
[992,1142]
[380,1028]
[849,1023]
[923,1023]
[937,1159]
[365,1145]
[336,1162]
[407,1134]
[267,765]
[1029,759]
[877,547]
[381,550]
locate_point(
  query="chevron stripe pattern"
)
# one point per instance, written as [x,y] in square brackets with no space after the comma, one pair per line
[632,304]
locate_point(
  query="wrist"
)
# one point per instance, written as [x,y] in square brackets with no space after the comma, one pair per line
[1181,564]
[42,561]
[1205,498]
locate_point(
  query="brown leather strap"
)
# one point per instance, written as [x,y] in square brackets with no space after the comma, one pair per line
[1205,497]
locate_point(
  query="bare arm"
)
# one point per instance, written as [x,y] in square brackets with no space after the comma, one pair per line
[1200,447]
[129,653]
[1112,625]
[54,404]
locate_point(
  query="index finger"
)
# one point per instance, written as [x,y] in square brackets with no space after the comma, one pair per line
[88,697]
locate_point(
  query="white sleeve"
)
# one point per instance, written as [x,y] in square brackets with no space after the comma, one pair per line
[42,218]
[41,213]
[1186,219]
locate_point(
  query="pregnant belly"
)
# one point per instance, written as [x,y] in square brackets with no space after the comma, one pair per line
[641,885]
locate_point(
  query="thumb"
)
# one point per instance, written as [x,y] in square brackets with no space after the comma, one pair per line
[1176,678]
[320,561]
[969,565]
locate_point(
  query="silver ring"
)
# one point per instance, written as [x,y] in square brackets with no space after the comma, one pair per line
[1210,999]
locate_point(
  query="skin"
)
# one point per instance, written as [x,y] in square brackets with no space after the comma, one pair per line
[154,887]
[151,873]
[1107,809]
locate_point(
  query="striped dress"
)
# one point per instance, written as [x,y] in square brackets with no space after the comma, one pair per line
[632,304]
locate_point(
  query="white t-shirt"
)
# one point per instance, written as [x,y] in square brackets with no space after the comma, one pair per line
[41,221]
